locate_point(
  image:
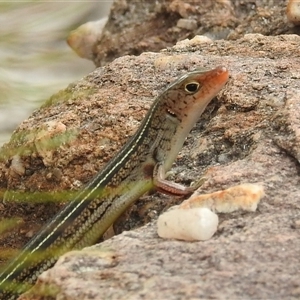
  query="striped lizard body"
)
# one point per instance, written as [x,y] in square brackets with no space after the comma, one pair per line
[140,166]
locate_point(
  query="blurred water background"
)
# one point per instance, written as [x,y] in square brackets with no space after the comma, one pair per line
[35,60]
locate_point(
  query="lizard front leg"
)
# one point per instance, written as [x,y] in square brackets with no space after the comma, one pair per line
[169,187]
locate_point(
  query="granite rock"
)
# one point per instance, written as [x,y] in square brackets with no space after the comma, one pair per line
[250,133]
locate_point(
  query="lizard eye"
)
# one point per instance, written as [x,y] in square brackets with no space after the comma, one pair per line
[192,87]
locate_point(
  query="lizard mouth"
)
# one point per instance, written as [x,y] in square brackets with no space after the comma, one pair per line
[171,113]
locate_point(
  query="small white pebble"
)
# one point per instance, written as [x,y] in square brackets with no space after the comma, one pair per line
[17,165]
[194,42]
[293,11]
[187,224]
[188,24]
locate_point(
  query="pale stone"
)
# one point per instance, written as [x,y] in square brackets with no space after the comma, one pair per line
[195,224]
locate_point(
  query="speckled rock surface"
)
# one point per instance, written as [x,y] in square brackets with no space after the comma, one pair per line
[137,26]
[250,133]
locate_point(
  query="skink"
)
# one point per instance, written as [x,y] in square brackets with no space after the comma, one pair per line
[140,166]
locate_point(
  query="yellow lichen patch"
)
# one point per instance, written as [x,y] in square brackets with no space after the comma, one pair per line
[245,197]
